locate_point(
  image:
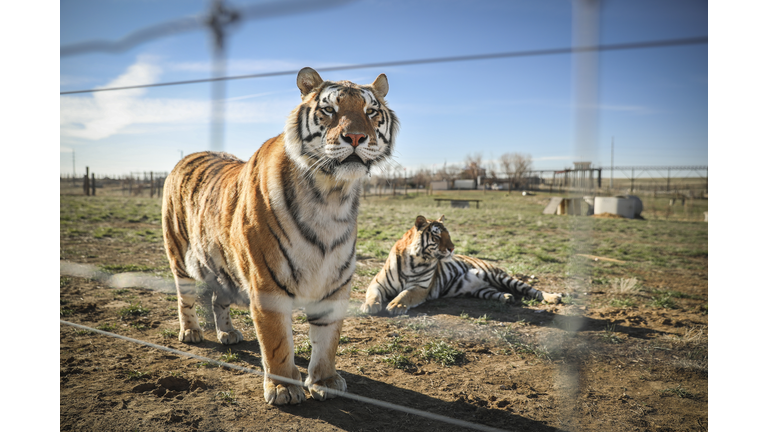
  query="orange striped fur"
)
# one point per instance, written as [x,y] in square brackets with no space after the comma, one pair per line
[279,231]
[422,266]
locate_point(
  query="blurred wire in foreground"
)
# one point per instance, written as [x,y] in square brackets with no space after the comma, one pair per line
[529,53]
[252,12]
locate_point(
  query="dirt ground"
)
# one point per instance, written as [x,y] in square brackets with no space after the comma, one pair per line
[582,366]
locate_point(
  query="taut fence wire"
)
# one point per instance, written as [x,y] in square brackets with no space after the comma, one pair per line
[352,396]
[420,61]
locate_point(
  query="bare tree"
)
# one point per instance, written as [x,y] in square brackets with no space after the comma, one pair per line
[517,167]
[473,167]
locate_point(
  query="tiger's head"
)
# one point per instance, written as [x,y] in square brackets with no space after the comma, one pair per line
[432,240]
[341,129]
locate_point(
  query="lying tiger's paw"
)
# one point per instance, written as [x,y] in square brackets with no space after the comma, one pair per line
[370,308]
[552,298]
[319,391]
[229,338]
[397,308]
[507,298]
[191,336]
[281,394]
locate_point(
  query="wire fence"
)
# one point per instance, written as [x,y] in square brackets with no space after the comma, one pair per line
[221,17]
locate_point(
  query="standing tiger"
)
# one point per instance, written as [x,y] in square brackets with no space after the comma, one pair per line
[279,231]
[422,266]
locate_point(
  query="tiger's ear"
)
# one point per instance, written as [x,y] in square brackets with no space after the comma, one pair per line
[380,85]
[421,221]
[441,219]
[307,80]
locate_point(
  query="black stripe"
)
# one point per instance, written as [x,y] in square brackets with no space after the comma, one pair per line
[343,284]
[294,272]
[348,261]
[274,278]
[289,196]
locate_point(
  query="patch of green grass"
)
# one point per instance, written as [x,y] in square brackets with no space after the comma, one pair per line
[206,364]
[531,302]
[167,333]
[678,391]
[442,353]
[348,350]
[239,312]
[663,301]
[399,361]
[83,332]
[227,396]
[343,339]
[623,303]
[393,346]
[229,357]
[139,326]
[125,268]
[171,298]
[121,291]
[66,312]
[134,375]
[303,349]
[134,310]
[302,319]
[108,327]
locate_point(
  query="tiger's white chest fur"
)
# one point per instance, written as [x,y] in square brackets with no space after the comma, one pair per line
[319,226]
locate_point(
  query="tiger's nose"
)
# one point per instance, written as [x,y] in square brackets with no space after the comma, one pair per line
[354,139]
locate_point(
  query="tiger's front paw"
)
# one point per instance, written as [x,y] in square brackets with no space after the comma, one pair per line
[397,308]
[229,338]
[507,298]
[552,298]
[281,394]
[319,389]
[370,308]
[191,335]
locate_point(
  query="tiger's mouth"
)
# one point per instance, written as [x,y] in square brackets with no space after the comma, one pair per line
[353,158]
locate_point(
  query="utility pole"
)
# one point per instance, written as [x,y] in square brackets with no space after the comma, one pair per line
[181,154]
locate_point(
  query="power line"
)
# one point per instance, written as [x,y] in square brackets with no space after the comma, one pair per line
[512,54]
[335,392]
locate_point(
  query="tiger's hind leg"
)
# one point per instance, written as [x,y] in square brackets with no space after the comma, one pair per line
[225,333]
[185,293]
[515,286]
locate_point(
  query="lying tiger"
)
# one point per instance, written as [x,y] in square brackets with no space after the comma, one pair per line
[279,231]
[422,266]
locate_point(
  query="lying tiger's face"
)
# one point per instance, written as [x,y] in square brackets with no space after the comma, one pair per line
[341,128]
[434,238]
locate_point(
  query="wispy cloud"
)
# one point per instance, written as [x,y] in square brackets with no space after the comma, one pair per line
[104,114]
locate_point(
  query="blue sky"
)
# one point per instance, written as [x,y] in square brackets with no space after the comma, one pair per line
[652,102]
